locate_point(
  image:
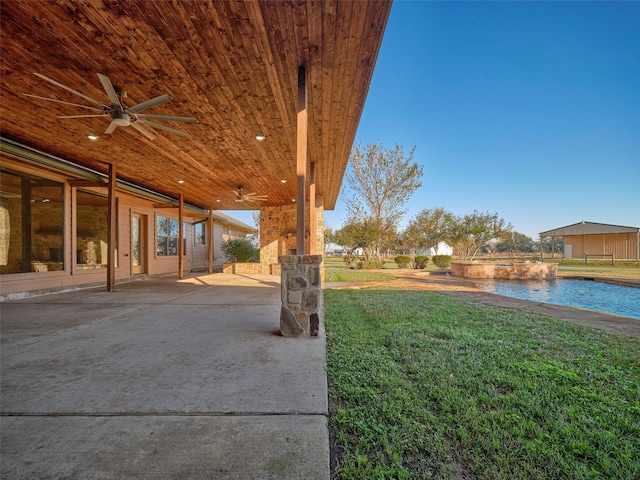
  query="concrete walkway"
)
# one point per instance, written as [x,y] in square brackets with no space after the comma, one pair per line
[162,379]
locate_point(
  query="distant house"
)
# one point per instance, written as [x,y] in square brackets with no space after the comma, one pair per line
[333,249]
[598,240]
[441,249]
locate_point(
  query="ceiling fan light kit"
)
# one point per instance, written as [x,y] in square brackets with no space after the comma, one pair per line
[239,197]
[122,121]
[120,115]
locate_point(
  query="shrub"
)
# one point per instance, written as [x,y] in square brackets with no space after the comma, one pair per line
[421,261]
[443,262]
[240,250]
[402,261]
[370,264]
[352,261]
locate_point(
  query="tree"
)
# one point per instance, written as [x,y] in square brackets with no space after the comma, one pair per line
[473,231]
[355,234]
[240,250]
[558,245]
[516,242]
[329,235]
[428,228]
[380,183]
[254,238]
[389,240]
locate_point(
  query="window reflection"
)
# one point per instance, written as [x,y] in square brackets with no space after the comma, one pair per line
[31,224]
[199,234]
[167,236]
[91,231]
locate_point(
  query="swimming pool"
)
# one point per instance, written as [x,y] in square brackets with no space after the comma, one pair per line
[600,296]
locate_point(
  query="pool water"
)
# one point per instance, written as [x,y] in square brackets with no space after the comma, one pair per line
[600,296]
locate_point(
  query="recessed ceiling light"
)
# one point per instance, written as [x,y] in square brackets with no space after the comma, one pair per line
[218,200]
[293,199]
[92,137]
[283,181]
[180,182]
[260,137]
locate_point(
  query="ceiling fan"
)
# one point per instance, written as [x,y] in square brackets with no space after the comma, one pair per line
[240,197]
[121,116]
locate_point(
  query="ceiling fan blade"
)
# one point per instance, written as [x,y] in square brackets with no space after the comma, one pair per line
[249,194]
[169,118]
[58,84]
[144,131]
[108,87]
[60,101]
[112,126]
[149,103]
[83,116]
[166,129]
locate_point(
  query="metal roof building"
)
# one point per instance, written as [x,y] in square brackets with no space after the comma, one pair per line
[590,239]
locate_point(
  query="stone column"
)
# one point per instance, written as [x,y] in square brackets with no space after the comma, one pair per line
[302,300]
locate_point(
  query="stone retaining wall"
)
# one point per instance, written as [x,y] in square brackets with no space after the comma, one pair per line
[243,268]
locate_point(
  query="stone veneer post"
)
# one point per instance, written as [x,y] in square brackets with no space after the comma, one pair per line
[302,308]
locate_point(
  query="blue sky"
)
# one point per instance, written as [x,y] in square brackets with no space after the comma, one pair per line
[528,109]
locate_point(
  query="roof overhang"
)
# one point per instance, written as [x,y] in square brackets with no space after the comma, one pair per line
[232,65]
[588,228]
[20,153]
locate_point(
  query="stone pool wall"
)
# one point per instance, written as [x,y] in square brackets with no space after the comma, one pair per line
[506,271]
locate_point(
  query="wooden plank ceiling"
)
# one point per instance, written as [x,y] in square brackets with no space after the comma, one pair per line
[230,64]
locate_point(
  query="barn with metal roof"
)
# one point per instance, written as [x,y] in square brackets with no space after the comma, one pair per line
[598,240]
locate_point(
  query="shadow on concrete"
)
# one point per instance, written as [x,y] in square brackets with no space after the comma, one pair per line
[161,379]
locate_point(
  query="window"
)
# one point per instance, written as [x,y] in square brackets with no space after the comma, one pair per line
[91,230]
[167,236]
[199,234]
[31,224]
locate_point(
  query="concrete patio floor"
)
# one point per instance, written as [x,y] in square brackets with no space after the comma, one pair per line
[162,379]
[168,379]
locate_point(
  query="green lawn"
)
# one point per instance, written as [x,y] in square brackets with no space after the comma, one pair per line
[340,272]
[622,270]
[344,275]
[424,385]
